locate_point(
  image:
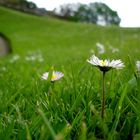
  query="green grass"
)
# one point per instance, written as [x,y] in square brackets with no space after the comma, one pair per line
[31,108]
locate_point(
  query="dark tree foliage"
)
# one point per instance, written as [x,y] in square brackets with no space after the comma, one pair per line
[97,13]
[20,3]
[24,6]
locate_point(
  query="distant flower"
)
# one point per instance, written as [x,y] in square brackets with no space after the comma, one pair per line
[34,56]
[3,69]
[114,50]
[100,48]
[30,58]
[138,65]
[14,58]
[105,65]
[56,75]
[92,51]
[138,68]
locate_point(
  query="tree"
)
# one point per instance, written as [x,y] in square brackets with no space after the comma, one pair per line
[85,14]
[66,11]
[105,14]
[97,13]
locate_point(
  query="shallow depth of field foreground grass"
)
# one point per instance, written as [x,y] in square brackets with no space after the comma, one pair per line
[69,109]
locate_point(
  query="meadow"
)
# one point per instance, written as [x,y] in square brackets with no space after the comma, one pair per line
[69,109]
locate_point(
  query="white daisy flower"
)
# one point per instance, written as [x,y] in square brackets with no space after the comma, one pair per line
[138,65]
[114,50]
[56,75]
[100,48]
[105,65]
[138,68]
[34,58]
[14,58]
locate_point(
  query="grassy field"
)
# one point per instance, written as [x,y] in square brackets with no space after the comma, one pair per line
[31,108]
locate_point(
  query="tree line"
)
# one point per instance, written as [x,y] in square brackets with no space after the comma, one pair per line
[95,13]
[23,5]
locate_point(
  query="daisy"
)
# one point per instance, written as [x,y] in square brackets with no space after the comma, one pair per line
[105,65]
[14,58]
[56,75]
[138,68]
[138,65]
[100,48]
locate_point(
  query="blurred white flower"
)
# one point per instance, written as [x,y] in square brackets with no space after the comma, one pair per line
[92,51]
[40,59]
[34,57]
[138,68]
[56,75]
[3,68]
[100,48]
[105,65]
[138,65]
[14,58]
[114,50]
[30,58]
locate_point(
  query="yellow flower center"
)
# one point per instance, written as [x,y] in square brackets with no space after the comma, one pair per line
[54,77]
[103,63]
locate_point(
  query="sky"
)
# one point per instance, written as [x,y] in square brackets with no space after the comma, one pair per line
[128,10]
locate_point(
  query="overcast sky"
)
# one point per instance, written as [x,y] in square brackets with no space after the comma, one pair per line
[128,10]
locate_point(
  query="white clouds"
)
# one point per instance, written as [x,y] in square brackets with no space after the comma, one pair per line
[128,10]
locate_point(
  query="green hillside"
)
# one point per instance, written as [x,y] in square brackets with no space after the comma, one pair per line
[29,32]
[72,111]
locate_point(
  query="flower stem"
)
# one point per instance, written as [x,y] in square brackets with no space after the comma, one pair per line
[103,96]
